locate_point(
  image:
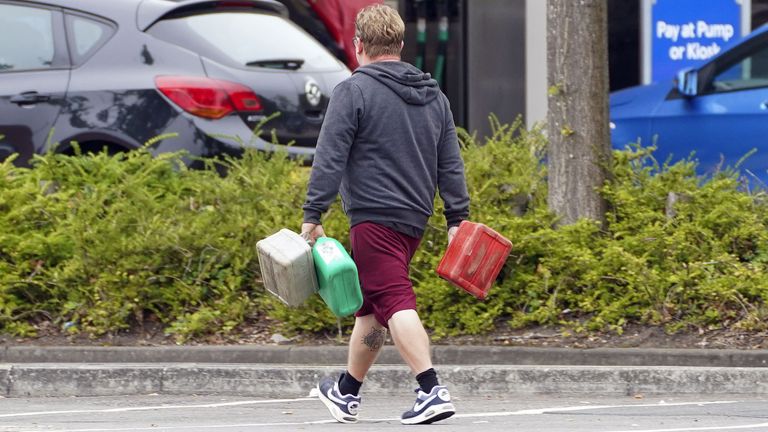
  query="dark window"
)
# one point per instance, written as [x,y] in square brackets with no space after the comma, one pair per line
[86,36]
[26,38]
[759,13]
[624,43]
[747,71]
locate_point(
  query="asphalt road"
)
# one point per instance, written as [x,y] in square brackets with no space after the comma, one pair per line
[494,413]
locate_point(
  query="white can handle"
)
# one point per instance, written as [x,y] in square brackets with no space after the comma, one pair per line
[305,236]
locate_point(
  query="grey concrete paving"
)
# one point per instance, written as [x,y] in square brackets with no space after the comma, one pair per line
[329,355]
[270,371]
[61,379]
[494,412]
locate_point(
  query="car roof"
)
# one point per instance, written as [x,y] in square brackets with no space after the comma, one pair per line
[147,12]
[110,8]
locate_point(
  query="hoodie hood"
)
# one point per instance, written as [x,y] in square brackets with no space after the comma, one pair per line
[412,85]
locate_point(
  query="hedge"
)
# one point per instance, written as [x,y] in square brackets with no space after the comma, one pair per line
[102,243]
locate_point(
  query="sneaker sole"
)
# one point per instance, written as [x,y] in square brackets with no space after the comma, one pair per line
[431,415]
[337,413]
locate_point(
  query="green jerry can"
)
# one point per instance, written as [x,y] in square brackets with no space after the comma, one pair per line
[337,278]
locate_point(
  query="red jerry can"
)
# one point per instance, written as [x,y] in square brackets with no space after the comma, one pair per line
[474,258]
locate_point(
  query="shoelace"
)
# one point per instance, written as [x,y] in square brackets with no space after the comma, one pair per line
[419,390]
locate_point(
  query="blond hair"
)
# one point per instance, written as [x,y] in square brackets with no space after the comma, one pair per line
[381,30]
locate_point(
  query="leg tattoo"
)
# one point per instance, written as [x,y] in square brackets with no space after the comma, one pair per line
[375,339]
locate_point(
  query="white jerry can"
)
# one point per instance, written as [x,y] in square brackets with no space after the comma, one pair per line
[287,267]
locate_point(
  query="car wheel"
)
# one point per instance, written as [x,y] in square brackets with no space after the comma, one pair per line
[95,147]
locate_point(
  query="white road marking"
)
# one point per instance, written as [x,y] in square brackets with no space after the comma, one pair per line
[154,408]
[275,424]
[585,408]
[164,428]
[709,428]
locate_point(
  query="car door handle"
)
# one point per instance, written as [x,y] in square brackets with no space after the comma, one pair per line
[28,98]
[764,105]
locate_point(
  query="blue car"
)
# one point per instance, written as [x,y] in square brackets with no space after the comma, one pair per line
[718,110]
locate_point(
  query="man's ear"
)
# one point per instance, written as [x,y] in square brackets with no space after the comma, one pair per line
[359,47]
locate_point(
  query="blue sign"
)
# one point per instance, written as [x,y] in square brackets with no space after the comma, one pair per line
[683,33]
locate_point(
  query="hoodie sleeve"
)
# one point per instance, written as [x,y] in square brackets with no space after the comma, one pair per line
[333,146]
[450,174]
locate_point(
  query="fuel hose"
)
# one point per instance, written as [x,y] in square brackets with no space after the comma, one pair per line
[442,38]
[421,33]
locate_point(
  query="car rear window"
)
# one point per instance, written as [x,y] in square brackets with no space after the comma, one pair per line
[86,36]
[245,37]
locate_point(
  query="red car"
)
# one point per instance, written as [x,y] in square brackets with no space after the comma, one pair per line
[332,22]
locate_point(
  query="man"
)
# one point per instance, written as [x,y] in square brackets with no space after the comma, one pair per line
[387,144]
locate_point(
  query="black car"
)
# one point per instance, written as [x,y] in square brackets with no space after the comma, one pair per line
[117,73]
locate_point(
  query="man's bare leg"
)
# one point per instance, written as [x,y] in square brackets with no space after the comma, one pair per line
[411,340]
[433,402]
[368,337]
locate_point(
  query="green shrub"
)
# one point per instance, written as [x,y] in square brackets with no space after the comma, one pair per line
[99,243]
[105,241]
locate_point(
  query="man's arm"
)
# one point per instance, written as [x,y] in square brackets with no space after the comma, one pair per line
[333,146]
[451,182]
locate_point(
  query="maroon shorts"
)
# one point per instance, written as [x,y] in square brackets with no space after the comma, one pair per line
[383,256]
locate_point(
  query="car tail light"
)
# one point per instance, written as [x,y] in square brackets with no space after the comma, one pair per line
[207,97]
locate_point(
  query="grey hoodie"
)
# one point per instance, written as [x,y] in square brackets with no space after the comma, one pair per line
[387,144]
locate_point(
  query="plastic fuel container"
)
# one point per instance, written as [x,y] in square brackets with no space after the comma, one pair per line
[474,258]
[287,267]
[337,277]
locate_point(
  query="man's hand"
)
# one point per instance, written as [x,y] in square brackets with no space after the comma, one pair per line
[311,232]
[452,233]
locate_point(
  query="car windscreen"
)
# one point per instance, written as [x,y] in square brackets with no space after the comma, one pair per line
[257,40]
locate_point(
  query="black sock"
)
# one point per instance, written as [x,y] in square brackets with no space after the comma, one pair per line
[427,380]
[349,385]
